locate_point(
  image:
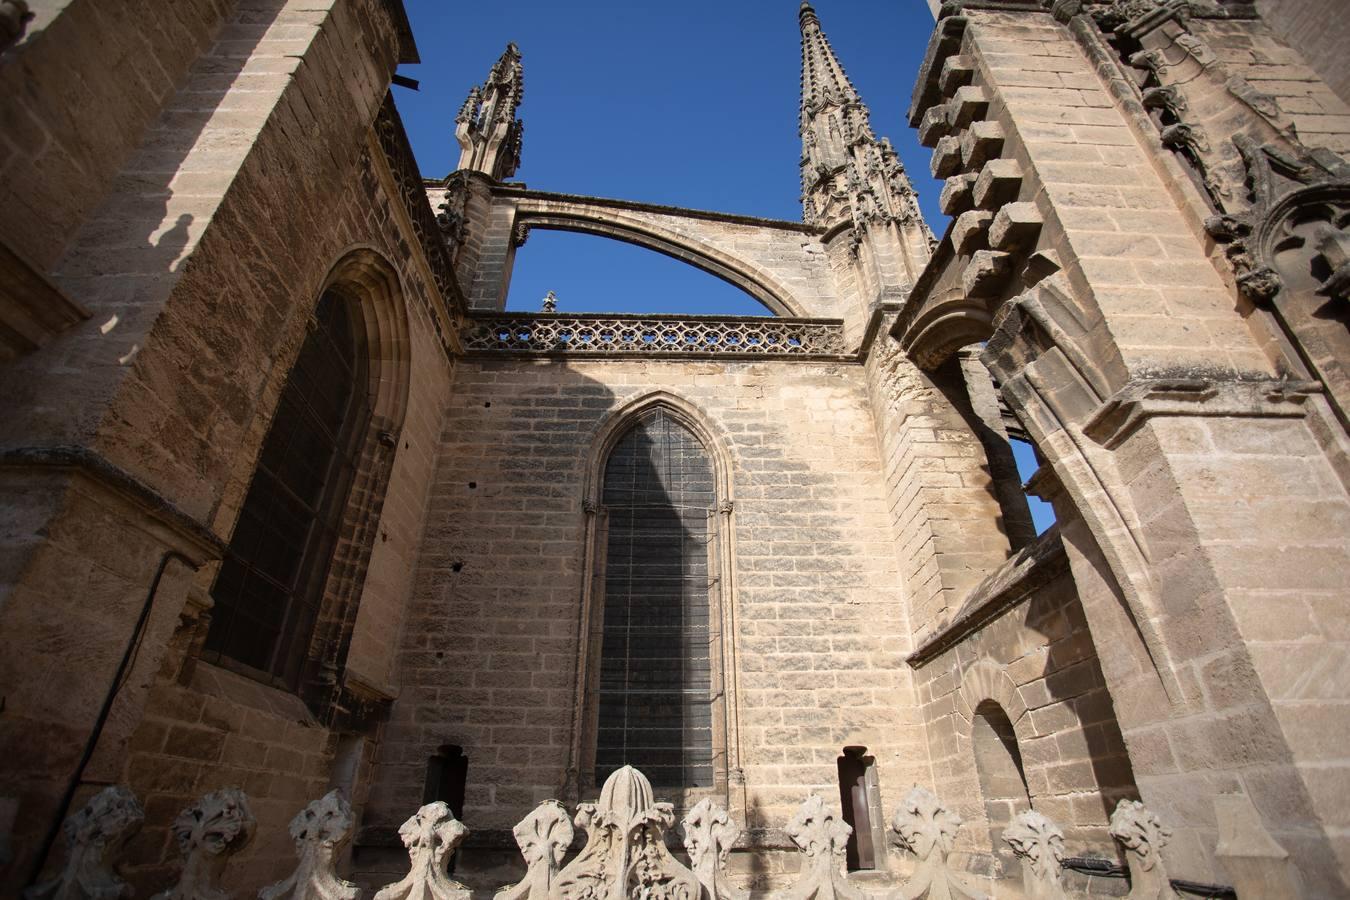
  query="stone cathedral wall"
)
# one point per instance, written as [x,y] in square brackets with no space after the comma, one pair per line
[489,653]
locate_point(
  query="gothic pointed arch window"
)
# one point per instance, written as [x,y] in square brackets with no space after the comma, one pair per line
[271,581]
[656,626]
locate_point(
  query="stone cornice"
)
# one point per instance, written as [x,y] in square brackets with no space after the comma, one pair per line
[106,474]
[1146,398]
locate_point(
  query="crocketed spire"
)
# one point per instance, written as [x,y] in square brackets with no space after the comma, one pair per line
[850,178]
[487,129]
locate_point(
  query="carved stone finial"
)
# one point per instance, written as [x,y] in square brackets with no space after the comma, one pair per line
[488,132]
[430,835]
[1039,844]
[320,831]
[726,507]
[708,836]
[928,829]
[625,853]
[95,837]
[208,833]
[822,838]
[1143,837]
[543,837]
[550,303]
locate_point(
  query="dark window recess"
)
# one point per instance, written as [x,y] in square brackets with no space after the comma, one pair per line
[853,800]
[447,774]
[655,692]
[272,577]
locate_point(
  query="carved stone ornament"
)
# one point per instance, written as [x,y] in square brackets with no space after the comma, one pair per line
[625,854]
[1142,836]
[208,833]
[1039,844]
[708,836]
[431,836]
[95,837]
[543,837]
[822,837]
[928,829]
[320,831]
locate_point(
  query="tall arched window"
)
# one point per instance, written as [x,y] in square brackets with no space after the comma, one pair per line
[655,682]
[272,578]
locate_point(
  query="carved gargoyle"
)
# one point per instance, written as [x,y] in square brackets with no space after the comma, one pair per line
[1039,844]
[320,831]
[928,829]
[543,837]
[95,837]
[430,835]
[208,833]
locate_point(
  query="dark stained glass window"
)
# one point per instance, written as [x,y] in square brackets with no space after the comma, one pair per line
[655,697]
[272,577]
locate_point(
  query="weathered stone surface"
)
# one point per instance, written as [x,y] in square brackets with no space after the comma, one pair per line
[708,836]
[821,836]
[1143,838]
[928,829]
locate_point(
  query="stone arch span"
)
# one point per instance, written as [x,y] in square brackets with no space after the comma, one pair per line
[768,260]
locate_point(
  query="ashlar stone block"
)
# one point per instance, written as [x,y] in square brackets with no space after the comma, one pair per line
[998,183]
[1015,227]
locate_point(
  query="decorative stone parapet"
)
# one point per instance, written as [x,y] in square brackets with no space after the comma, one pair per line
[1142,836]
[208,833]
[431,836]
[320,831]
[605,335]
[822,838]
[1039,844]
[928,829]
[543,837]
[708,836]
[95,837]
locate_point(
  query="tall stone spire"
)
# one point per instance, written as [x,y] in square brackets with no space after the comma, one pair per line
[851,180]
[487,129]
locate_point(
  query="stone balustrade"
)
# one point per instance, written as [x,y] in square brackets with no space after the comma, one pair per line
[682,336]
[625,854]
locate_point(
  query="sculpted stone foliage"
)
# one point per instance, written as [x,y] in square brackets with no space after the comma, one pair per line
[822,838]
[1039,844]
[208,833]
[543,837]
[928,829]
[625,853]
[95,837]
[320,831]
[1143,837]
[431,836]
[708,836]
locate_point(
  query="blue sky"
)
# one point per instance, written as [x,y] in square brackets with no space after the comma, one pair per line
[689,103]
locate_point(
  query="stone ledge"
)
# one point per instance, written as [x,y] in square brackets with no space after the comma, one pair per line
[1027,570]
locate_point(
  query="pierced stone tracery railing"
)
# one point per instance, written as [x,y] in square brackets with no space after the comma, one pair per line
[611,335]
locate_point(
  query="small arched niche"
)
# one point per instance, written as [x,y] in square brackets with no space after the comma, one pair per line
[1003,783]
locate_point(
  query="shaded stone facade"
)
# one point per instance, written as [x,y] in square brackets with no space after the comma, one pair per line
[1145,276]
